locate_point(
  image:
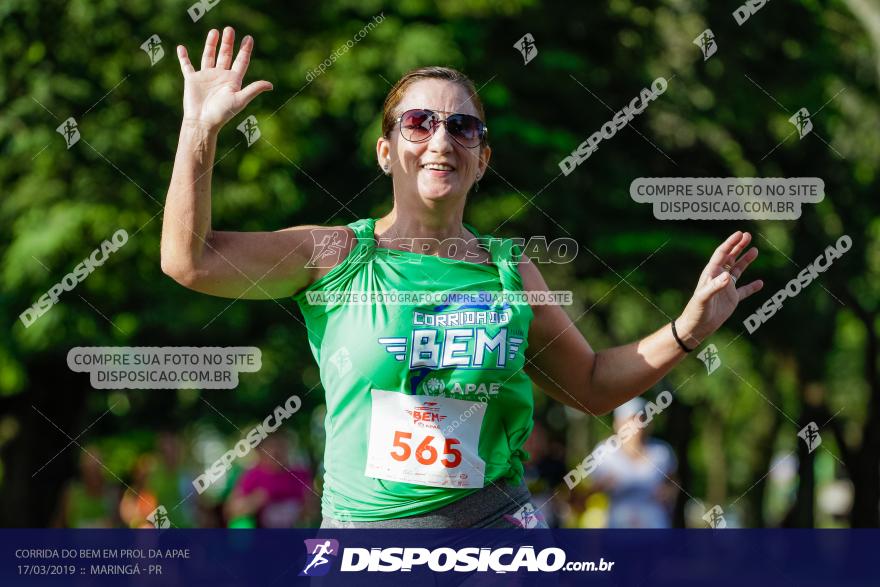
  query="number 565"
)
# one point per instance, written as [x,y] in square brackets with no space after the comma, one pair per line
[425,454]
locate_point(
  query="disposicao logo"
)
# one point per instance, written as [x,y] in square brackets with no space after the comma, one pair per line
[318,550]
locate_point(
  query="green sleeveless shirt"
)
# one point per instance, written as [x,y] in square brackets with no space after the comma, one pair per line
[427,401]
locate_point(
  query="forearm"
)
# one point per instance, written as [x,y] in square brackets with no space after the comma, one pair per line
[186,223]
[621,373]
[563,364]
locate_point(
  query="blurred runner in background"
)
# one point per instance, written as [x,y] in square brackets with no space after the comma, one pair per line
[170,481]
[139,501]
[638,478]
[88,502]
[273,493]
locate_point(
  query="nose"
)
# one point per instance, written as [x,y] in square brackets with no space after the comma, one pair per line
[440,142]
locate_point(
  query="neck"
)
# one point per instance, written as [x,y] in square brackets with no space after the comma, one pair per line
[438,223]
[633,447]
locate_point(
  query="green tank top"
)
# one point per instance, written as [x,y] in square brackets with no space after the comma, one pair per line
[427,402]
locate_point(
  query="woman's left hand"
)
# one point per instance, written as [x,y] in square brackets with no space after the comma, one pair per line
[716,295]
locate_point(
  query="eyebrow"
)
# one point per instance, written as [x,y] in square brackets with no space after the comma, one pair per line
[399,114]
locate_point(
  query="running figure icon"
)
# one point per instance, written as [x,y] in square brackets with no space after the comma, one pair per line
[318,551]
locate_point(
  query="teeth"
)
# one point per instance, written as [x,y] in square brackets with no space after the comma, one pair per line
[437,166]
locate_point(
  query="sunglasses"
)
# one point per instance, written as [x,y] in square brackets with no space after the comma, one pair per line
[418,125]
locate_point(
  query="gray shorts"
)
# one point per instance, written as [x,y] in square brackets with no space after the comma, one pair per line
[498,505]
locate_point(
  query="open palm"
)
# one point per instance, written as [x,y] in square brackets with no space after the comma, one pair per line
[213,95]
[717,295]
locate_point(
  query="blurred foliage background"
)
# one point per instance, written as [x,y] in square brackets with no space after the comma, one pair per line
[814,361]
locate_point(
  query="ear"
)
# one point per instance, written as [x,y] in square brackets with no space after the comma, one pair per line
[485,155]
[383,154]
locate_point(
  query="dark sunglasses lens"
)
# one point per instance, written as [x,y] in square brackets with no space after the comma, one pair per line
[465,129]
[416,125]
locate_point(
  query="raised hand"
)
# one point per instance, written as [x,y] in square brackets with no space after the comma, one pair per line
[717,295]
[213,95]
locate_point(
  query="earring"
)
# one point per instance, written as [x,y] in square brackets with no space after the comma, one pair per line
[477,184]
[385,169]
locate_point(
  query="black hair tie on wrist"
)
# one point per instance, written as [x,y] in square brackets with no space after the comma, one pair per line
[678,340]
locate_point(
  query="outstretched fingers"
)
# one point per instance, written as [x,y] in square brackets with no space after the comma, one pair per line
[714,285]
[185,65]
[744,241]
[210,49]
[724,250]
[740,266]
[224,59]
[252,90]
[243,59]
[747,290]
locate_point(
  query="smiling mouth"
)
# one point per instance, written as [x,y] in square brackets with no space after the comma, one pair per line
[438,167]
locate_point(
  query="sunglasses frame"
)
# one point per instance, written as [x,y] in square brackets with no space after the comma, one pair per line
[484,130]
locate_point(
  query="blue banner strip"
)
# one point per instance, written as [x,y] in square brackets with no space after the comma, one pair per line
[270,558]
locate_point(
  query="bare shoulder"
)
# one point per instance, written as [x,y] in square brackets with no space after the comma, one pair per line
[549,319]
[532,279]
[330,246]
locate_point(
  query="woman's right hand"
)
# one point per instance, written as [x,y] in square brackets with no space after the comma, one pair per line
[213,95]
[231,264]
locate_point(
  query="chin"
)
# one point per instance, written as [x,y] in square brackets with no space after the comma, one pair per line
[440,196]
[440,192]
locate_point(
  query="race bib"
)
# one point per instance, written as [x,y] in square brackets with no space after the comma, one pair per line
[425,440]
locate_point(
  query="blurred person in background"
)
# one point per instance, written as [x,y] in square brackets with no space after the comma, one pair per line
[212,511]
[638,478]
[544,471]
[88,502]
[274,493]
[139,501]
[170,481]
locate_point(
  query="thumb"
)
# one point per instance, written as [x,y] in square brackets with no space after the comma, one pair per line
[716,285]
[252,90]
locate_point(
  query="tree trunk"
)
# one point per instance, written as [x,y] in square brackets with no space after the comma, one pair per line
[865,469]
[716,460]
[763,459]
[31,488]
[680,433]
[803,511]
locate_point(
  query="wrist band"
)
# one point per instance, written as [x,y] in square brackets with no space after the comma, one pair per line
[678,340]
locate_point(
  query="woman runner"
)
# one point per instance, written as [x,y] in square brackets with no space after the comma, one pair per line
[428,404]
